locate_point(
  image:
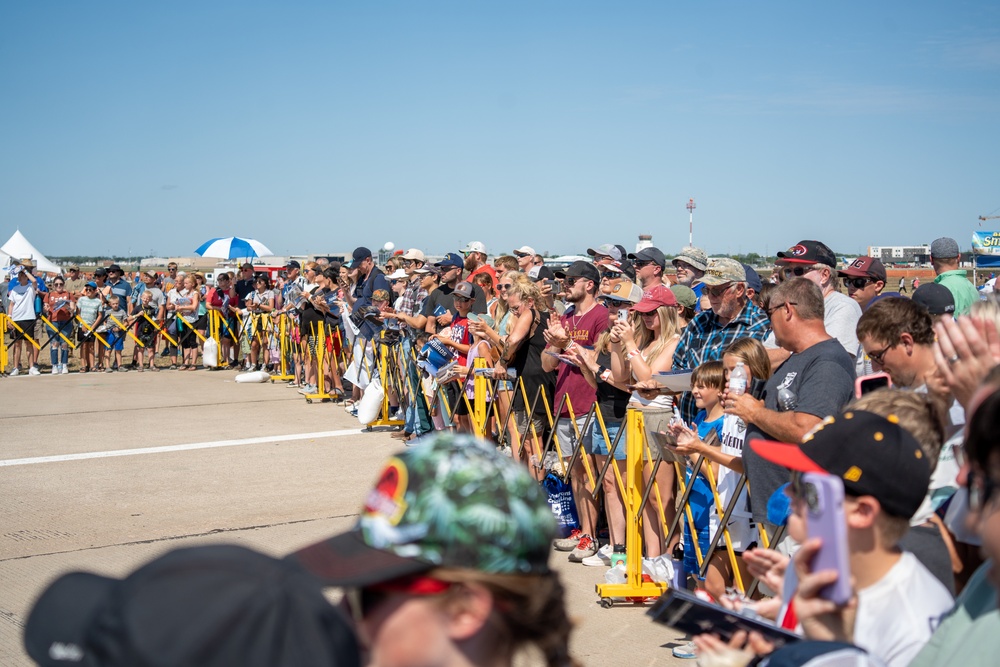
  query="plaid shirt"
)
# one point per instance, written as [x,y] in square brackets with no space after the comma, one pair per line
[412,299]
[705,340]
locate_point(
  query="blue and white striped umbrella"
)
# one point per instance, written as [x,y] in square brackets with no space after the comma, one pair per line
[233,247]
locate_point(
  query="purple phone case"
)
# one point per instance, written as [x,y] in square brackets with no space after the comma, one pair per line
[826,521]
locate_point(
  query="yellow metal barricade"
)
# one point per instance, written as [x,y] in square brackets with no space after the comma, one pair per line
[52,326]
[383,375]
[284,329]
[90,329]
[3,343]
[321,393]
[634,586]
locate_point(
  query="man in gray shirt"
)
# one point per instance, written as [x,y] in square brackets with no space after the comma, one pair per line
[816,381]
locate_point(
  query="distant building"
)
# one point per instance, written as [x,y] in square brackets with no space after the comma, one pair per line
[645,241]
[901,254]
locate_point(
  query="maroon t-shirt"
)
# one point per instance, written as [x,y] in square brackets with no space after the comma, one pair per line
[583,330]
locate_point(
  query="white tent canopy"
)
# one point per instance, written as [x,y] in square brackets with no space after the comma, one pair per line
[4,259]
[19,247]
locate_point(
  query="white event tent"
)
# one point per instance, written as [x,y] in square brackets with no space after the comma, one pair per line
[18,247]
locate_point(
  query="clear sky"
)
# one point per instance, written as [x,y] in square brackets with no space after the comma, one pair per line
[149,127]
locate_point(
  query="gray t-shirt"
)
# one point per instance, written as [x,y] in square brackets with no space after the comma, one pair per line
[822,379]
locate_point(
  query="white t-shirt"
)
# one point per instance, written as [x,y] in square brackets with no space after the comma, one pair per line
[898,613]
[840,318]
[944,478]
[22,302]
[741,527]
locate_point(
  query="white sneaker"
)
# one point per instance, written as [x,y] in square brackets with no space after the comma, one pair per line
[34,371]
[64,370]
[15,372]
[55,369]
[601,559]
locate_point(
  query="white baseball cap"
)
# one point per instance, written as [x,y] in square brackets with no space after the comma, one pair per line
[415,254]
[525,250]
[475,246]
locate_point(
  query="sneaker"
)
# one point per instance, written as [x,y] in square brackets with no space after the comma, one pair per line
[109,369]
[15,373]
[34,371]
[601,559]
[55,369]
[123,369]
[685,651]
[64,370]
[568,543]
[307,389]
[584,548]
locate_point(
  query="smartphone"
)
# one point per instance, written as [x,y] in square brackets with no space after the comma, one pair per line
[867,383]
[623,314]
[684,611]
[473,317]
[824,497]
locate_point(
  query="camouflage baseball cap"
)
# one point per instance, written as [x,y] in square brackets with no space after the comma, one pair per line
[723,270]
[450,501]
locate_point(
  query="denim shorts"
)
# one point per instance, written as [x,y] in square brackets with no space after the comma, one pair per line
[602,447]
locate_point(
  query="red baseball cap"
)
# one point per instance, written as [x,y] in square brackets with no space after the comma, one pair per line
[655,297]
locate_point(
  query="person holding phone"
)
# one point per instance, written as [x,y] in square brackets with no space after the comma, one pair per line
[885,474]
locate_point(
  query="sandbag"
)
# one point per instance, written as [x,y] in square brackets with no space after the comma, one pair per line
[210,353]
[371,402]
[256,376]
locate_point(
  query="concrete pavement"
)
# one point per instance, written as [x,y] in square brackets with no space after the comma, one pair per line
[104,471]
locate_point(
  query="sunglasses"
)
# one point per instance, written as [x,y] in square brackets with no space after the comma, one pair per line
[609,275]
[718,290]
[503,288]
[569,282]
[363,601]
[771,310]
[639,263]
[464,299]
[857,283]
[58,284]
[877,357]
[798,271]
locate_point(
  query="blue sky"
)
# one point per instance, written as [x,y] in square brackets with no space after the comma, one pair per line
[318,126]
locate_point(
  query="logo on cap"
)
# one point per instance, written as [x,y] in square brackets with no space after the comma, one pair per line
[386,499]
[859,263]
[797,250]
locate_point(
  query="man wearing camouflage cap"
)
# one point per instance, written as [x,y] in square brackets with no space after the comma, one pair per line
[691,263]
[732,316]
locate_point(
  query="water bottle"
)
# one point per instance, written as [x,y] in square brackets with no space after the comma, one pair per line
[738,380]
[787,400]
[617,554]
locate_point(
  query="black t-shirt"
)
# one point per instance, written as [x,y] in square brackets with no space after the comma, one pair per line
[527,362]
[310,318]
[822,379]
[442,296]
[612,401]
[243,287]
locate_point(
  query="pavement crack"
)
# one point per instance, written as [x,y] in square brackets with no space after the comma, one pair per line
[170,538]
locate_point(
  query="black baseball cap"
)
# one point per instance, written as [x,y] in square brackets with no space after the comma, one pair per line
[115,268]
[101,272]
[936,298]
[809,252]
[873,455]
[293,264]
[580,269]
[650,254]
[211,606]
[361,253]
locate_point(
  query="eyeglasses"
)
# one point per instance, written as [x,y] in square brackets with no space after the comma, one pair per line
[363,601]
[877,357]
[609,275]
[770,311]
[798,271]
[857,283]
[718,290]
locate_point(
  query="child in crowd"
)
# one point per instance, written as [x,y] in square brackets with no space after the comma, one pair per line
[115,334]
[146,331]
[89,308]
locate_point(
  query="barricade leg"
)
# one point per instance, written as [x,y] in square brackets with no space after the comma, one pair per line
[321,393]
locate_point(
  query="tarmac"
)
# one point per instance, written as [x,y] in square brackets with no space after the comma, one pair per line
[102,472]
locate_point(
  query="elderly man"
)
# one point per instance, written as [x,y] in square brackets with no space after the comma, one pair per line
[690,264]
[732,316]
[815,382]
[945,257]
[815,261]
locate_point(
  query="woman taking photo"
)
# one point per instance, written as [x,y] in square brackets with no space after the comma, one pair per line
[638,352]
[523,352]
[259,303]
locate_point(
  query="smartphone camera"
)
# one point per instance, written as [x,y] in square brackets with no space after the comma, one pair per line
[623,315]
[811,497]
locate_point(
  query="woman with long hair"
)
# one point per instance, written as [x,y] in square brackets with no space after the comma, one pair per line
[184,302]
[639,351]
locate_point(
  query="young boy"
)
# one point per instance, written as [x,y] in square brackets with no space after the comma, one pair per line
[886,474]
[115,335]
[89,307]
[146,332]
